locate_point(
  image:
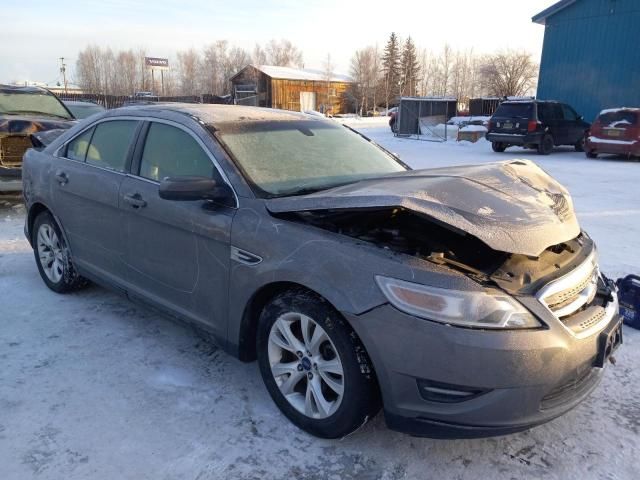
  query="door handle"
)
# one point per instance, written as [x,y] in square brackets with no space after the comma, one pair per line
[135,200]
[61,177]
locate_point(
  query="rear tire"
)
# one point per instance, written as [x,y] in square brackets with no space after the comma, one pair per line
[53,257]
[591,154]
[498,147]
[545,147]
[322,381]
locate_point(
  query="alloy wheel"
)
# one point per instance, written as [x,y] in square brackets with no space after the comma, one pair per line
[306,365]
[50,253]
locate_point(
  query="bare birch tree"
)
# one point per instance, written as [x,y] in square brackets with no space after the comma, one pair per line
[509,73]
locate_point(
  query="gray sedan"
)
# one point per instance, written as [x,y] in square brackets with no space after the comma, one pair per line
[465,301]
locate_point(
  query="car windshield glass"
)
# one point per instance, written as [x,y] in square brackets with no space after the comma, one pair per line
[293,157]
[514,110]
[33,103]
[619,118]
[84,111]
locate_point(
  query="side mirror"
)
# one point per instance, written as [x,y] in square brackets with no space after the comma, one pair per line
[193,188]
[580,117]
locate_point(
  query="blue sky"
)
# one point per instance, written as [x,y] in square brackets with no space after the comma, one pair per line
[35,33]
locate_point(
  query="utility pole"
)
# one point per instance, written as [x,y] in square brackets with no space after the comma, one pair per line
[63,71]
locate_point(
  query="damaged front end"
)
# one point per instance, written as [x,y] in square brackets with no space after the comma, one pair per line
[509,227]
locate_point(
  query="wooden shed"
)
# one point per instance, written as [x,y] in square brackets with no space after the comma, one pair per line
[290,89]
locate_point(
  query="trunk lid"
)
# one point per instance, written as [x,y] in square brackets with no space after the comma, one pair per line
[512,118]
[512,207]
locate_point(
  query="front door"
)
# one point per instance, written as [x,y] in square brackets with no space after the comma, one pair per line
[176,253]
[86,183]
[575,128]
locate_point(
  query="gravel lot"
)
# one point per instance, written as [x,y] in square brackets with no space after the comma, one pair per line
[93,386]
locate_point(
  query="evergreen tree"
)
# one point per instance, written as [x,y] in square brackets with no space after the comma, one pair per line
[410,73]
[391,67]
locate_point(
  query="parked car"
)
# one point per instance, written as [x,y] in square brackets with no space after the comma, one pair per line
[465,301]
[83,109]
[536,124]
[24,111]
[615,131]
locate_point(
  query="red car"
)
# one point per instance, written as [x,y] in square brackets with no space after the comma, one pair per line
[615,131]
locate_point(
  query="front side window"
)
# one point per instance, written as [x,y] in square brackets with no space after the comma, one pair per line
[110,144]
[292,157]
[172,152]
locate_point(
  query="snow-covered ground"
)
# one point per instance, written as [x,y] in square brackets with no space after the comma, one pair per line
[95,387]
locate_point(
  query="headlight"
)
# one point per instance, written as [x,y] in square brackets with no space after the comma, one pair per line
[455,307]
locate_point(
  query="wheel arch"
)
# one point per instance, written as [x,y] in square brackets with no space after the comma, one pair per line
[246,350]
[34,210]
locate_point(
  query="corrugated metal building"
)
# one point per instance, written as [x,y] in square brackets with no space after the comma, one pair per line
[591,54]
[290,88]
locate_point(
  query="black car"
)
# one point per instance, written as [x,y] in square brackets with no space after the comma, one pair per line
[536,124]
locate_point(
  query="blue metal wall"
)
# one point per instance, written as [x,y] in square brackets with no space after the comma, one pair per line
[591,56]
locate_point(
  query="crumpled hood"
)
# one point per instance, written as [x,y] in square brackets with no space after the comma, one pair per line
[513,207]
[28,124]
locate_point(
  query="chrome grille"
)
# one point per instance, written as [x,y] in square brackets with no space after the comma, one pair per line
[569,293]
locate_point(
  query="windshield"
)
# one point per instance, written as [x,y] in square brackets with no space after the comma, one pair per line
[293,157]
[84,110]
[514,110]
[18,102]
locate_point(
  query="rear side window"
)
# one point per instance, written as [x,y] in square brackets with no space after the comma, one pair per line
[172,152]
[110,144]
[619,118]
[514,110]
[77,148]
[569,113]
[549,111]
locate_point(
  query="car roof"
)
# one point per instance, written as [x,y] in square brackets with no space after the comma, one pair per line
[212,114]
[516,102]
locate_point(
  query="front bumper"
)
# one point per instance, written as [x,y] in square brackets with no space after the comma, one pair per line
[514,138]
[10,179]
[526,378]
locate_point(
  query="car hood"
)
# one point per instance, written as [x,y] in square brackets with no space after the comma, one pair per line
[513,207]
[28,124]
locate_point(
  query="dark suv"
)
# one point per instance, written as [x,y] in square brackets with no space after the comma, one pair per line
[536,124]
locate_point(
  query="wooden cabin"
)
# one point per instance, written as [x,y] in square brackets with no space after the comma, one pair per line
[291,89]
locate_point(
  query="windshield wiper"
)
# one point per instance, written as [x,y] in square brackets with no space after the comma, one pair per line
[35,112]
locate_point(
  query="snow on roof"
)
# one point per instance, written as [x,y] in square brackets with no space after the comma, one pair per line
[289,73]
[622,109]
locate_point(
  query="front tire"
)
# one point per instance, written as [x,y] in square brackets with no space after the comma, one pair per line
[314,366]
[579,146]
[591,154]
[53,257]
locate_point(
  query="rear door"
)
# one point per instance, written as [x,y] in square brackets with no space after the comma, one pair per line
[86,183]
[550,114]
[177,253]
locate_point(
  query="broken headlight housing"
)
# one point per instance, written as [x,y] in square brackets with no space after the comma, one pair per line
[494,310]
